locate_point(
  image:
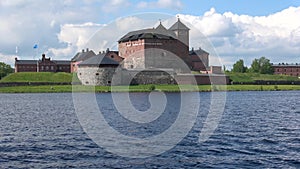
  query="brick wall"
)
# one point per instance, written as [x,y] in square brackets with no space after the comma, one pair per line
[291,70]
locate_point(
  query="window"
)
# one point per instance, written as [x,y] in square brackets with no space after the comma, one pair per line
[131,66]
[112,56]
[97,74]
[47,67]
[108,82]
[42,67]
[52,68]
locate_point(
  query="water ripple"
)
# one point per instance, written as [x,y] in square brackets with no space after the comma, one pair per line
[257,130]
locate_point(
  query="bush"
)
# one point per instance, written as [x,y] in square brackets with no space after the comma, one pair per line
[152,87]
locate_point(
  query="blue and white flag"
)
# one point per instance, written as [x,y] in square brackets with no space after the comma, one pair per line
[35,46]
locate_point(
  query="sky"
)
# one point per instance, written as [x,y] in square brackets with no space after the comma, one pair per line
[236,29]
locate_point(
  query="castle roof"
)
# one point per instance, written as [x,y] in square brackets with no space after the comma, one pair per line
[160,32]
[148,34]
[26,62]
[287,65]
[161,27]
[178,26]
[98,60]
[197,52]
[80,56]
[62,62]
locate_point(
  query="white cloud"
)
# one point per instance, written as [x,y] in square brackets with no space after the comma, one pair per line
[62,28]
[75,36]
[27,22]
[276,36]
[8,59]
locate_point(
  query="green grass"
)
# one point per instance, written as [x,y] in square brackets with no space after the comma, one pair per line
[143,88]
[262,87]
[251,77]
[38,77]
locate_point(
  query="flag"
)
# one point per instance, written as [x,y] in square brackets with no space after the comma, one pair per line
[35,46]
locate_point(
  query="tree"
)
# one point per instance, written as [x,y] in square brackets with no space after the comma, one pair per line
[239,67]
[255,66]
[5,69]
[262,65]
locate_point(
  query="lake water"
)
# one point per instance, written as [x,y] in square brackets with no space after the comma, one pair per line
[257,130]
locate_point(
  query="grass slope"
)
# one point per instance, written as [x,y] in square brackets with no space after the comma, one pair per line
[143,88]
[38,77]
[251,77]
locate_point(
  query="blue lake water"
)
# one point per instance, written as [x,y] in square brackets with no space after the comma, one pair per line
[257,130]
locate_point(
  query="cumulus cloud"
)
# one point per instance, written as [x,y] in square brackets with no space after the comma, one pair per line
[242,36]
[75,37]
[62,28]
[28,22]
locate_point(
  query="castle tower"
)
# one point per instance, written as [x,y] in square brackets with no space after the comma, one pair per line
[181,31]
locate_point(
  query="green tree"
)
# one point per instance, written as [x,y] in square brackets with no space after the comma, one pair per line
[262,65]
[255,66]
[5,69]
[239,67]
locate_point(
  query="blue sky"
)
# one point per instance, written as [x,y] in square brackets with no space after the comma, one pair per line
[236,28]
[248,7]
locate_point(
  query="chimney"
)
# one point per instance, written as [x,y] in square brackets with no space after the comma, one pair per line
[43,56]
[16,59]
[87,49]
[82,50]
[107,50]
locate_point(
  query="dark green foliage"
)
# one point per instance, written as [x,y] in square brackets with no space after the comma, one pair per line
[262,66]
[152,87]
[5,70]
[239,67]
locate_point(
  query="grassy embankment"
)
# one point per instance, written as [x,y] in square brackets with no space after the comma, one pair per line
[38,77]
[252,77]
[143,88]
[67,77]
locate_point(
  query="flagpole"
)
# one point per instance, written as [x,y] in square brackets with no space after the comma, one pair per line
[37,61]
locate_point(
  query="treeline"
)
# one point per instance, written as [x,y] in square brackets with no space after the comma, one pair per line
[5,69]
[261,65]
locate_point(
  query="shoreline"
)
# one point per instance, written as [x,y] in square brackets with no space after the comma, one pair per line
[144,88]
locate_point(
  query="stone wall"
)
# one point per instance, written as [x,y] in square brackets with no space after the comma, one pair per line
[95,76]
[202,79]
[109,76]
